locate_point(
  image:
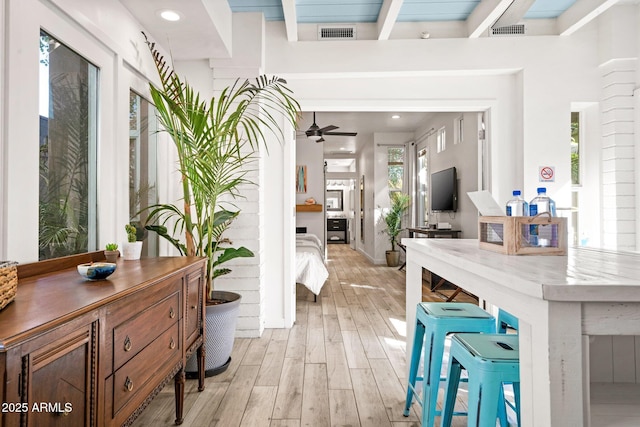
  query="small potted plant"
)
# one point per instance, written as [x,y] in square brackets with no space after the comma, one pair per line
[111,252]
[393,221]
[132,248]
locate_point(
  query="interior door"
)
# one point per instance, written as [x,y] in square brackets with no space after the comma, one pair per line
[422,183]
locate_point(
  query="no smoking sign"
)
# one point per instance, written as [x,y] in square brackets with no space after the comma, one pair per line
[547,173]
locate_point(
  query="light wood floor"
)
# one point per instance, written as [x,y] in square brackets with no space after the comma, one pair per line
[342,363]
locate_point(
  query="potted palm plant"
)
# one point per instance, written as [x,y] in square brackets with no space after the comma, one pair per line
[216,141]
[393,221]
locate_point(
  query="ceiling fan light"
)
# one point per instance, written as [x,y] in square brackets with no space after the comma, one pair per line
[314,137]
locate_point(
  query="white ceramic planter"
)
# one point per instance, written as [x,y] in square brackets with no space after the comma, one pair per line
[131,250]
[220,333]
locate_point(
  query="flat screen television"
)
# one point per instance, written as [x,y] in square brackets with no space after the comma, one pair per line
[444,191]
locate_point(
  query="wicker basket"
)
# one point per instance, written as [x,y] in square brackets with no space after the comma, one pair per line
[8,282]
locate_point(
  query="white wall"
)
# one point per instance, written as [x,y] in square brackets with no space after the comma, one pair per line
[464,157]
[310,154]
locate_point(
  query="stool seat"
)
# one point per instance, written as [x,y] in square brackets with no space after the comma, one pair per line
[454,310]
[434,321]
[490,360]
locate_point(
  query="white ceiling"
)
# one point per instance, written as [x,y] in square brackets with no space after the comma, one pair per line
[364,123]
[204,32]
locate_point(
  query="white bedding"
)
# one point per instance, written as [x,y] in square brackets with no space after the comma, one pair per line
[310,268]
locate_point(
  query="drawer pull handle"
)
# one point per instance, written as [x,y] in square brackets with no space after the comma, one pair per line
[172,344]
[193,307]
[64,413]
[172,313]
[128,384]
[127,343]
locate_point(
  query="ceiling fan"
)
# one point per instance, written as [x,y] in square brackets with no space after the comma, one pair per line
[316,133]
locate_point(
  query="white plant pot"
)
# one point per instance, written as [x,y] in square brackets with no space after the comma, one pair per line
[131,250]
[221,322]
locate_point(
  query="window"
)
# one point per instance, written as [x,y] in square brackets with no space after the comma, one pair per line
[422,188]
[395,167]
[142,168]
[574,231]
[68,95]
[441,141]
[458,130]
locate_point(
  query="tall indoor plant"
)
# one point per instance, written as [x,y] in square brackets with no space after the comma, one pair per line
[215,140]
[393,221]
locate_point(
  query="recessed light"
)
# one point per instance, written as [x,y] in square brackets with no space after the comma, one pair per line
[170,15]
[395,116]
[342,148]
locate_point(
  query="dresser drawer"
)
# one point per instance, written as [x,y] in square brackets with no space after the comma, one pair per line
[136,373]
[336,224]
[193,309]
[136,333]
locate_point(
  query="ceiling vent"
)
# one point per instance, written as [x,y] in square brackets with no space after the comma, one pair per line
[336,32]
[509,30]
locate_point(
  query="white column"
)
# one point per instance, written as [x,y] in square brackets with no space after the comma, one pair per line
[618,154]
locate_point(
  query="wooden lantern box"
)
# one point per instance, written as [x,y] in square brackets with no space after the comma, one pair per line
[517,235]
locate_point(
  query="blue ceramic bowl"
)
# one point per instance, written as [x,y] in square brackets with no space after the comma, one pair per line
[96,270]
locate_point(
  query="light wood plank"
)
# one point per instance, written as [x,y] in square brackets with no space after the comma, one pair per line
[315,397]
[296,346]
[370,406]
[315,351]
[205,408]
[332,328]
[257,349]
[337,366]
[285,423]
[356,357]
[271,367]
[259,407]
[346,319]
[369,339]
[391,389]
[344,411]
[235,400]
[289,398]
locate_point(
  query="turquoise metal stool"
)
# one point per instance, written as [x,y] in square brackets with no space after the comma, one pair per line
[490,360]
[505,321]
[434,321]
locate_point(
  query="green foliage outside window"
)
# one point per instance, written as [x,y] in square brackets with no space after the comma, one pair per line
[575,149]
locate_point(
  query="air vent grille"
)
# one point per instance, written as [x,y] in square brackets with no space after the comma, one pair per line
[334,32]
[509,30]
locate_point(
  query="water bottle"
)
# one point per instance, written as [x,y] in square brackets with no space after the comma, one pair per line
[542,203]
[539,204]
[517,206]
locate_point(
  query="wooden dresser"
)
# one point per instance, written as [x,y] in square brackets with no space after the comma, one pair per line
[75,352]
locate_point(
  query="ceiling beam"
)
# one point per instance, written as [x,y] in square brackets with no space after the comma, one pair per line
[290,19]
[580,14]
[387,17]
[485,13]
[514,13]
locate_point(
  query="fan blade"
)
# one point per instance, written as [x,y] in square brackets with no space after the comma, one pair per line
[341,133]
[327,128]
[320,140]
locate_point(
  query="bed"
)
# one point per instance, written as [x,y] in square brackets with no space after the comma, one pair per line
[310,267]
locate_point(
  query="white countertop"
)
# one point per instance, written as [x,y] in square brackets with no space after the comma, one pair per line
[584,274]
